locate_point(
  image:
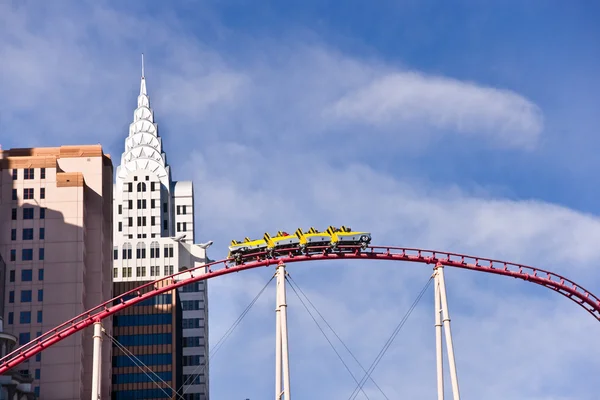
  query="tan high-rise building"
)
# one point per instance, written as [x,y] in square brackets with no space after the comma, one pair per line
[56,241]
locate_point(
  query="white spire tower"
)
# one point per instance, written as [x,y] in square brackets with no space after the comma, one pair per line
[154,235]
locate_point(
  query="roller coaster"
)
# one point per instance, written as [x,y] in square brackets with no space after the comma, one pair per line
[311,241]
[265,258]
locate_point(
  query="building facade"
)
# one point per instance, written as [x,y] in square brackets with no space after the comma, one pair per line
[153,238]
[15,384]
[56,240]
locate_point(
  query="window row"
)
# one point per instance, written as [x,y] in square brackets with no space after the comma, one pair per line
[27,254]
[188,305]
[28,213]
[26,275]
[192,341]
[192,323]
[141,271]
[142,394]
[141,205]
[143,320]
[141,377]
[148,359]
[28,173]
[181,210]
[182,227]
[25,338]
[164,298]
[192,360]
[140,251]
[28,194]
[26,296]
[193,396]
[142,221]
[24,317]
[141,186]
[190,288]
[145,339]
[27,234]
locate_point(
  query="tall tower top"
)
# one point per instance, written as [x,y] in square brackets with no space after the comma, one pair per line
[143,145]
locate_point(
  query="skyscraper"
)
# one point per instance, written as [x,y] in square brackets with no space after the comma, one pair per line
[154,237]
[56,240]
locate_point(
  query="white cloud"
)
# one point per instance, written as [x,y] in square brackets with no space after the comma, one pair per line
[415,99]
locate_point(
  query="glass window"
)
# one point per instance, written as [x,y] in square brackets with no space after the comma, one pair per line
[41,253]
[42,233]
[42,213]
[26,275]
[25,296]
[25,317]
[24,338]
[27,234]
[27,254]
[42,173]
[41,275]
[39,316]
[40,294]
[28,213]
[13,234]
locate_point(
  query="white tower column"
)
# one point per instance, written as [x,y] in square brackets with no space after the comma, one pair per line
[441,311]
[97,361]
[281,339]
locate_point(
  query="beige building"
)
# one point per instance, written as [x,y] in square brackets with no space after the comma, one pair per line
[56,241]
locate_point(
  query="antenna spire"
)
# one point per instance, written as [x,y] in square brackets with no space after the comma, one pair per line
[143,90]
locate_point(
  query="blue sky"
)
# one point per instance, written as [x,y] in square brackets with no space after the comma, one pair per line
[468,127]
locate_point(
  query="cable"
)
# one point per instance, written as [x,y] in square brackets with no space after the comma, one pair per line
[337,336]
[136,360]
[225,336]
[329,341]
[390,340]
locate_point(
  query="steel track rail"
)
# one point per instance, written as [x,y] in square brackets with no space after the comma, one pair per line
[558,283]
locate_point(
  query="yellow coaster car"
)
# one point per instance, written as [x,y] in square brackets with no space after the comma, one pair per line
[311,238]
[239,249]
[282,240]
[345,236]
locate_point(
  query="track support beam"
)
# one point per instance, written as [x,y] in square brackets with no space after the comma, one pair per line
[97,361]
[281,339]
[442,318]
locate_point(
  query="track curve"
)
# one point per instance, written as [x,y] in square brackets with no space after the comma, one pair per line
[548,279]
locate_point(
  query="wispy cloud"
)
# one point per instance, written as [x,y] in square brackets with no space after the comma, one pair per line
[448,105]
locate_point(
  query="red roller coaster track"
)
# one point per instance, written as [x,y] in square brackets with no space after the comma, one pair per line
[548,279]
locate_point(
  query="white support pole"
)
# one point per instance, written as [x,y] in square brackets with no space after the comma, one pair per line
[282,305]
[97,361]
[278,392]
[446,322]
[439,351]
